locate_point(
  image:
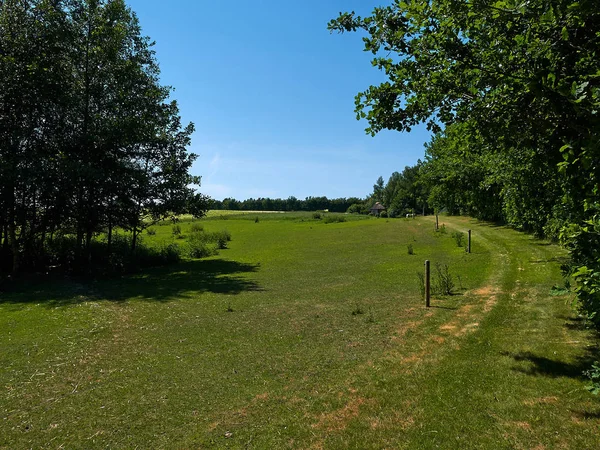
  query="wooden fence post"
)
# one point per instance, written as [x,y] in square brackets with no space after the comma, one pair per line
[437,225]
[427,284]
[469,246]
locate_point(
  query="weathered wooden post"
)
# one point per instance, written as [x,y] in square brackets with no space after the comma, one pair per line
[469,245]
[437,224]
[427,284]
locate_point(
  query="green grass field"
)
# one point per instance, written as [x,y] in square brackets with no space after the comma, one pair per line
[304,334]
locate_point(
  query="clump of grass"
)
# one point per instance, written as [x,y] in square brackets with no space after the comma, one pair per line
[443,282]
[334,219]
[202,244]
[442,229]
[196,228]
[256,220]
[316,215]
[176,230]
[421,283]
[410,249]
[357,310]
[370,317]
[198,247]
[459,237]
[229,308]
[151,231]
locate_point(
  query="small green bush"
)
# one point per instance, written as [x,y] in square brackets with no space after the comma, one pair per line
[196,228]
[176,230]
[198,246]
[459,237]
[442,229]
[442,283]
[410,249]
[151,231]
[383,215]
[356,208]
[316,215]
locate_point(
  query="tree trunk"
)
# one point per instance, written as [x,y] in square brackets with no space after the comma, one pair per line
[88,247]
[14,245]
[109,243]
[134,239]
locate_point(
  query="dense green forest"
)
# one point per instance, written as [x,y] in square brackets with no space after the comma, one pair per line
[511,91]
[90,141]
[288,204]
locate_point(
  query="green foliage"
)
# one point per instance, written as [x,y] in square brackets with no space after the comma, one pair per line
[459,238]
[442,282]
[86,105]
[151,232]
[316,215]
[594,375]
[410,249]
[196,228]
[511,91]
[357,208]
[176,230]
[334,219]
[201,244]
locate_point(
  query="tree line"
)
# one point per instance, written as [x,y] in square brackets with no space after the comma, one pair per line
[289,204]
[511,92]
[90,141]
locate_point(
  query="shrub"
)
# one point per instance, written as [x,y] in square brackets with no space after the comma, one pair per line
[169,254]
[176,230]
[442,229]
[316,215]
[594,375]
[459,237]
[442,282]
[196,228]
[201,244]
[197,246]
[383,215]
[410,249]
[151,231]
[355,208]
[256,220]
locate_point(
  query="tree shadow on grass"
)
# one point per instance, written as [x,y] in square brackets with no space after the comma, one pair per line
[536,365]
[179,281]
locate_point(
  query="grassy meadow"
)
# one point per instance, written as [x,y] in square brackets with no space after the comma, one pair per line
[304,334]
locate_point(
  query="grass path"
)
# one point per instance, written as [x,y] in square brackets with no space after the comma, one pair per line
[305,335]
[514,379]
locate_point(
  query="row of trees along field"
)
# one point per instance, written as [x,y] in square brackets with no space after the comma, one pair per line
[89,139]
[512,92]
[289,204]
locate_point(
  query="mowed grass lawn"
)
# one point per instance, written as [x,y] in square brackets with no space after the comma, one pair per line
[304,334]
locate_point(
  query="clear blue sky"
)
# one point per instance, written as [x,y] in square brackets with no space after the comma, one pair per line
[271,93]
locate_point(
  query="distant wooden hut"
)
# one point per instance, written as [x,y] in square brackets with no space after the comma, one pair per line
[377,208]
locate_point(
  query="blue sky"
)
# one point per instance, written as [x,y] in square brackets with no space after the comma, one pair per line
[271,93]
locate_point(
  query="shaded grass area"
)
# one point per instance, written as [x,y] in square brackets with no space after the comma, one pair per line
[259,347]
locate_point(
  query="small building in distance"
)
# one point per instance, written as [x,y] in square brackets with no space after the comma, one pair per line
[377,208]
